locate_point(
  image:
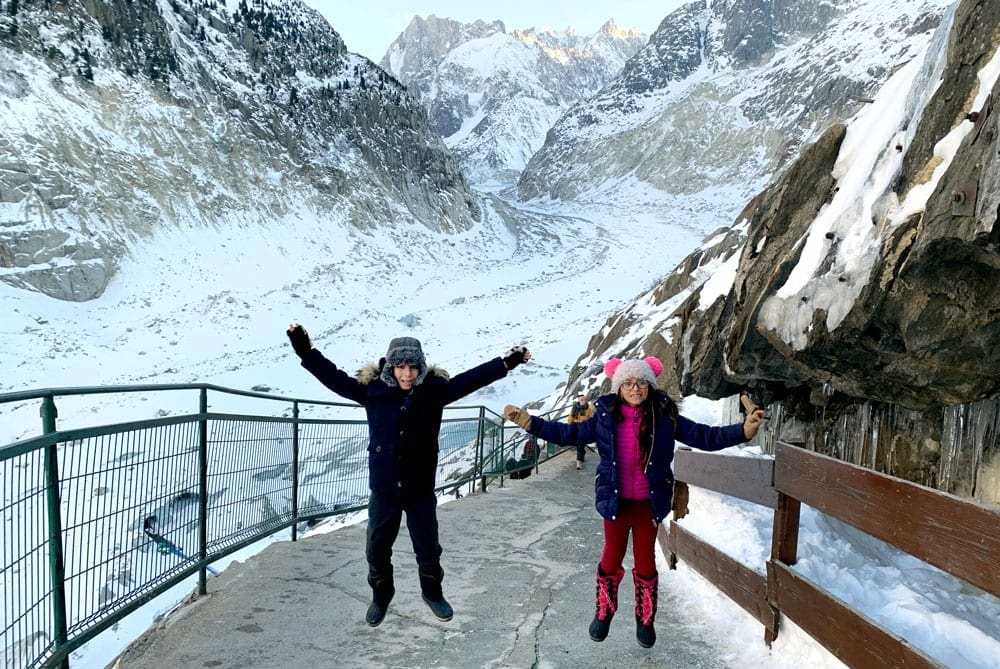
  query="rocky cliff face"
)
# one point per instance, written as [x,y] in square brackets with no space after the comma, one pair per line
[859,293]
[492,95]
[121,117]
[724,95]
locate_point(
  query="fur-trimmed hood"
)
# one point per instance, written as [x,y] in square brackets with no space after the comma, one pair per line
[373,371]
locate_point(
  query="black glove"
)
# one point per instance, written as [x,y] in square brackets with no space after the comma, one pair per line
[300,340]
[515,357]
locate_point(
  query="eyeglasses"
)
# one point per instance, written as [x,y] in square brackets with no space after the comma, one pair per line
[632,384]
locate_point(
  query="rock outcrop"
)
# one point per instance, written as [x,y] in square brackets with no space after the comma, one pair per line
[917,324]
[859,293]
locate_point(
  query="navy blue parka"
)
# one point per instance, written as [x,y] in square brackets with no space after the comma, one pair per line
[403,426]
[668,426]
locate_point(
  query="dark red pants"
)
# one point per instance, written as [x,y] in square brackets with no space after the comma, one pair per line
[635,517]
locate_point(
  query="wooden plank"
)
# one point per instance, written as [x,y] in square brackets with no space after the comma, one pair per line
[961,537]
[741,584]
[751,479]
[854,638]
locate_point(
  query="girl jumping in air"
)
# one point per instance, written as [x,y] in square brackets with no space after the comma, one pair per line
[635,427]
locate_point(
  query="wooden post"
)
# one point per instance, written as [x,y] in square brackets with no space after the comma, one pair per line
[784,549]
[785,538]
[679,505]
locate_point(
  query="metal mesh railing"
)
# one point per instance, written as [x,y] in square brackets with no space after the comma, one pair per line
[254,458]
[109,484]
[333,468]
[99,520]
[26,617]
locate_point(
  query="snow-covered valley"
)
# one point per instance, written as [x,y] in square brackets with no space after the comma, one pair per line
[212,305]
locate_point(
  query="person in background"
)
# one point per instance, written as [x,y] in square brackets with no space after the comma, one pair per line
[521,469]
[530,451]
[404,400]
[635,427]
[581,411]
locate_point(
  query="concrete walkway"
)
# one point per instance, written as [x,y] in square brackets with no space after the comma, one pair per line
[519,571]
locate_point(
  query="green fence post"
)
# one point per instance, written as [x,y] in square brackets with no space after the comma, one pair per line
[480,457]
[57,568]
[295,470]
[503,456]
[203,491]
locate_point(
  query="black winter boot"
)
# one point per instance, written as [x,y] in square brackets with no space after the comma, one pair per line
[430,589]
[646,590]
[382,593]
[607,603]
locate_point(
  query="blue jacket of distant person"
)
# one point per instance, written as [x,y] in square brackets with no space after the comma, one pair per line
[669,427]
[403,426]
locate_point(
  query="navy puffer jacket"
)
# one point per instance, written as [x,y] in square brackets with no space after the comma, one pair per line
[403,426]
[668,426]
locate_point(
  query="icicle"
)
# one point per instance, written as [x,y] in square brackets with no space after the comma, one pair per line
[970,450]
[956,449]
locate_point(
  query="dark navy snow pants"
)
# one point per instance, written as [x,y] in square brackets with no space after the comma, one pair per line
[385,514]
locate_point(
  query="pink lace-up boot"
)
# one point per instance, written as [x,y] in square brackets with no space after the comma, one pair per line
[645,608]
[607,603]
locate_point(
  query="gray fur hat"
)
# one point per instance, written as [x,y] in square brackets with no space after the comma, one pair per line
[403,351]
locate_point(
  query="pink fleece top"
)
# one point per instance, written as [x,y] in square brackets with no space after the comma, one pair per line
[632,483]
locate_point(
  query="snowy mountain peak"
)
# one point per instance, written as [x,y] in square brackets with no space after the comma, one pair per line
[610,28]
[431,38]
[492,95]
[746,32]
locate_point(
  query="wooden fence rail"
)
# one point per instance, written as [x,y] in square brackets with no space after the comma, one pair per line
[958,536]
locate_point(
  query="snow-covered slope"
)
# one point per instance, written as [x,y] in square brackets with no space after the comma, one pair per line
[120,118]
[212,305]
[726,93]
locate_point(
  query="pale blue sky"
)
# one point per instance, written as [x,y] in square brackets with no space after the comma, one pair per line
[368,27]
